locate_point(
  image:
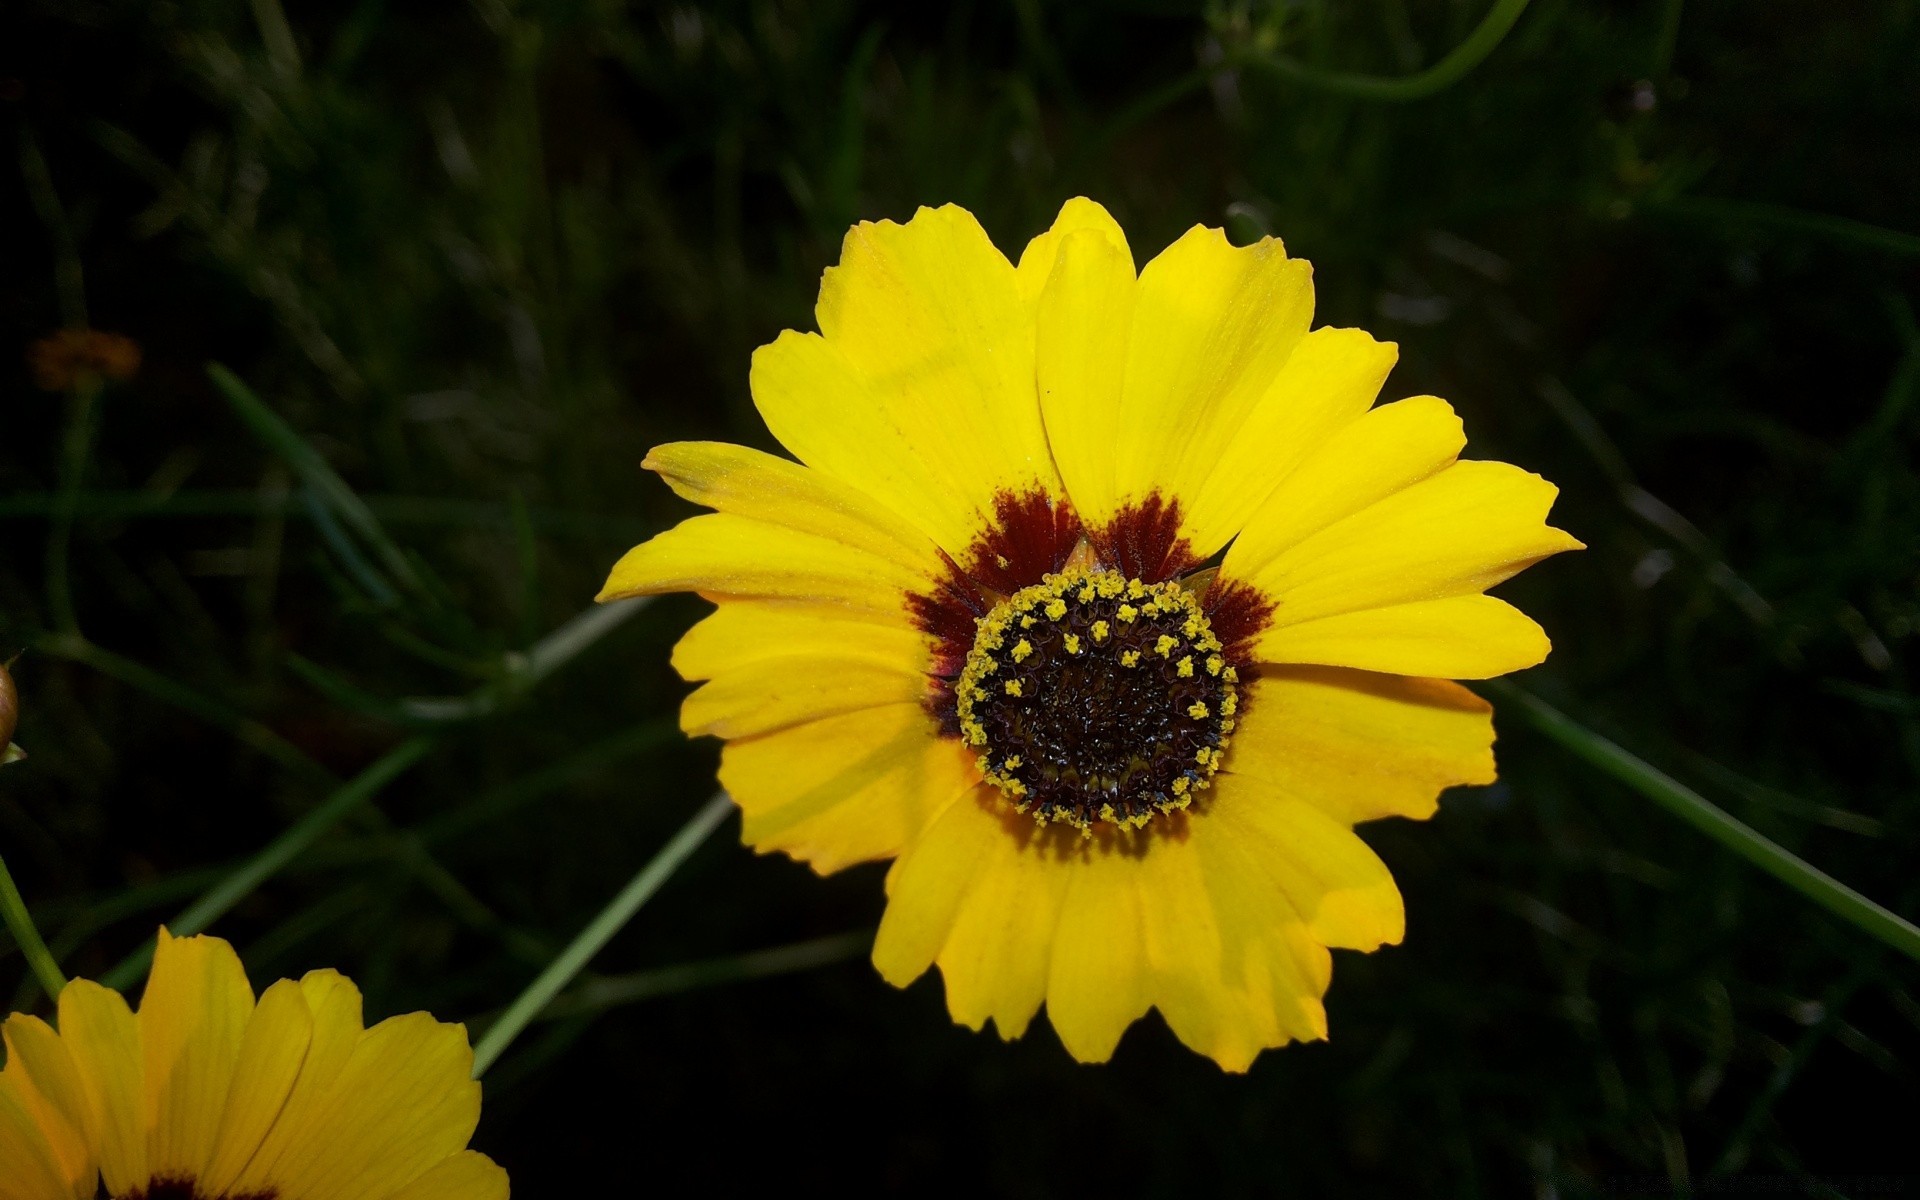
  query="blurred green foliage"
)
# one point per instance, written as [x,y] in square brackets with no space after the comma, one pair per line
[463,265]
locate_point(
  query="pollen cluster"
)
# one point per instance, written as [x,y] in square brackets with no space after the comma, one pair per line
[1095,697]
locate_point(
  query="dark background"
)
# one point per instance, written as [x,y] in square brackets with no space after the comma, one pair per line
[480,258]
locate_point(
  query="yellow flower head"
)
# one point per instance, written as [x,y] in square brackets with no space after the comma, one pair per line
[994,549]
[206,1094]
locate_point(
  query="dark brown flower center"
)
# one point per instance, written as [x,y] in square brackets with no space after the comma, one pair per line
[179,1187]
[1096,697]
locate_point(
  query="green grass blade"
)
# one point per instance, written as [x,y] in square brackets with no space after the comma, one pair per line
[1696,810]
[615,990]
[613,918]
[19,922]
[1469,54]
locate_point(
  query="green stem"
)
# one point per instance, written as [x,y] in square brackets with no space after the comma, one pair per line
[1693,808]
[1469,54]
[278,853]
[601,994]
[614,917]
[20,923]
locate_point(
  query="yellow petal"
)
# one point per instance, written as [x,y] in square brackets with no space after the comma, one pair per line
[845,789]
[1332,879]
[48,1088]
[753,484]
[1358,465]
[720,555]
[271,1055]
[1212,326]
[103,1036]
[1327,383]
[192,1019]
[468,1175]
[780,692]
[1454,533]
[1097,984]
[402,1102]
[30,1166]
[1460,637]
[1359,746]
[333,1004]
[743,633]
[920,390]
[928,884]
[1085,312]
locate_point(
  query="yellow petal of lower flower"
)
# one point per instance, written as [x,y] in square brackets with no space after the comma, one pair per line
[1359,746]
[1363,462]
[468,1175]
[1076,216]
[403,1102]
[847,788]
[742,633]
[776,693]
[1213,324]
[931,880]
[1457,532]
[30,1167]
[48,1087]
[1460,637]
[753,484]
[271,1055]
[333,1004]
[1333,880]
[1084,316]
[1097,985]
[193,1017]
[103,1036]
[1328,382]
[920,389]
[719,555]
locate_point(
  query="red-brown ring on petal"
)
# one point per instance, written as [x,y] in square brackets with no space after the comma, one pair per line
[1143,541]
[184,1187]
[1239,613]
[1030,536]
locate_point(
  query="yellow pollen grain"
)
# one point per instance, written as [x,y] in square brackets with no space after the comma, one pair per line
[1056,608]
[1072,642]
[1192,627]
[1230,675]
[1129,658]
[1136,589]
[1185,668]
[1023,648]
[1228,704]
[1026,622]
[1013,687]
[1165,646]
[1198,710]
[1127,612]
[1214,663]
[1013,762]
[1100,631]
[1181,785]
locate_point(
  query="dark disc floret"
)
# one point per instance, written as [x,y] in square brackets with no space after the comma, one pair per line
[1096,697]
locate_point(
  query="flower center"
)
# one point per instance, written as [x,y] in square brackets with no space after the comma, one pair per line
[1094,697]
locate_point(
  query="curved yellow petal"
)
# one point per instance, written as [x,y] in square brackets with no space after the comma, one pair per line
[103,1036]
[53,1125]
[1333,880]
[1082,277]
[333,1005]
[193,1017]
[1212,326]
[750,483]
[271,1055]
[847,788]
[1327,384]
[402,1102]
[31,1168]
[1457,532]
[468,1175]
[1363,462]
[776,693]
[1097,984]
[744,633]
[720,555]
[919,389]
[1460,637]
[1359,746]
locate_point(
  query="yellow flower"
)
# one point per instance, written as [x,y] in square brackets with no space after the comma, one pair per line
[206,1094]
[1000,458]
